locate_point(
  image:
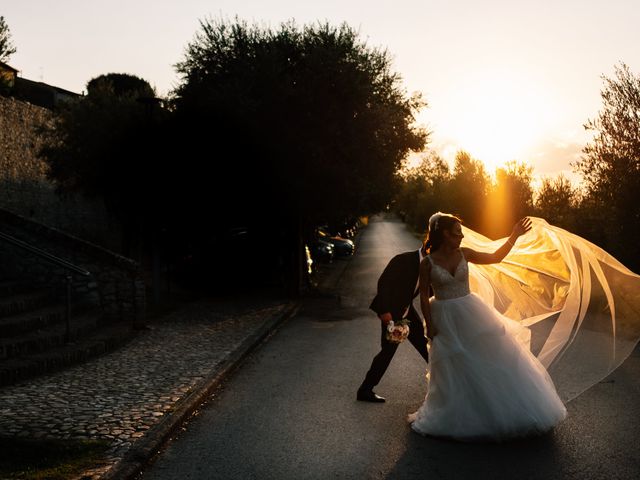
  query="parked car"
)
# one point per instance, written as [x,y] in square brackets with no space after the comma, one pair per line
[342,246]
[346,228]
[322,250]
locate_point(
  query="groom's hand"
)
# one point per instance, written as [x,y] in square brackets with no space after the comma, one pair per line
[385,318]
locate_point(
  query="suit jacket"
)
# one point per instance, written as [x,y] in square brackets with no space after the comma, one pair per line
[397,284]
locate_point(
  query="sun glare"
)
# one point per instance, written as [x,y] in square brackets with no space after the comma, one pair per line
[496,117]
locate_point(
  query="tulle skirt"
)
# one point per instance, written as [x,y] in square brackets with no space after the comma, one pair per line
[483,381]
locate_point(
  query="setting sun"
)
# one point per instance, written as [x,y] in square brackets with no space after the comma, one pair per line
[496,116]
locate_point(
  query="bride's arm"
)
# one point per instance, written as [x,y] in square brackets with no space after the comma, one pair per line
[520,228]
[425,282]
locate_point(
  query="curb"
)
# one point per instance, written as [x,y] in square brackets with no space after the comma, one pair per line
[143,450]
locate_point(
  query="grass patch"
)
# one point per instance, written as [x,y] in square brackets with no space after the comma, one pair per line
[48,459]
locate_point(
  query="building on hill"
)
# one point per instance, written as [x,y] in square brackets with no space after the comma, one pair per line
[35,93]
[8,75]
[41,94]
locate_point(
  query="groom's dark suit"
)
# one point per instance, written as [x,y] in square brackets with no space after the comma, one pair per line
[396,291]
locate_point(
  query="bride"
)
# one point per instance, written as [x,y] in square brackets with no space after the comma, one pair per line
[548,318]
[483,380]
[555,316]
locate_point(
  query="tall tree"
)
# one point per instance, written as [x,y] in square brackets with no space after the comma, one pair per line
[315,120]
[289,127]
[6,45]
[556,202]
[469,188]
[104,145]
[423,190]
[510,198]
[610,164]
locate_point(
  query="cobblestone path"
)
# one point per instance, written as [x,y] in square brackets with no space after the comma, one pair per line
[119,396]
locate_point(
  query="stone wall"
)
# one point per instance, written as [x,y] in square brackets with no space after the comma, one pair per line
[117,281]
[25,189]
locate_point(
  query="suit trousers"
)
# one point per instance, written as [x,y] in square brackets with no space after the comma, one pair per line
[388,349]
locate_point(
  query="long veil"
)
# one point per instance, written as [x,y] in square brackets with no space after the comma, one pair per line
[581,304]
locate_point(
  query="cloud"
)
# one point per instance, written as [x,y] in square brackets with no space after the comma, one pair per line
[552,157]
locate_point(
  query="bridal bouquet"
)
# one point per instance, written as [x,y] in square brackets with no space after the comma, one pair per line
[398,332]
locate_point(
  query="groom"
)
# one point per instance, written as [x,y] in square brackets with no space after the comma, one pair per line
[397,287]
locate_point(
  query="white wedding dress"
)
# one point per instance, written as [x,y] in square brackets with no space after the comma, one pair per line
[556,307]
[483,380]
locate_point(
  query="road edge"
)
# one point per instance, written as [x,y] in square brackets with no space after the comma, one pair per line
[143,450]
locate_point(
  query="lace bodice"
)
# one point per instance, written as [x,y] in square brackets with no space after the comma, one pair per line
[448,286]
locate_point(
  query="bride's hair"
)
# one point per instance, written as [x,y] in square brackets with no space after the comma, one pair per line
[438,223]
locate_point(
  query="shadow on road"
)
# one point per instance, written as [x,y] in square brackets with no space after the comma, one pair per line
[427,457]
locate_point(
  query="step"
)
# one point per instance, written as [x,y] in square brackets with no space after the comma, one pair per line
[24,302]
[50,336]
[24,323]
[100,342]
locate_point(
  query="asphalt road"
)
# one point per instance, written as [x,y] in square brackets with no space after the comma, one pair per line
[290,411]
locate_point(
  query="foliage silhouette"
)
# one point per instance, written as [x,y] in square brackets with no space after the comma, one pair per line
[470,185]
[307,121]
[103,146]
[466,190]
[510,198]
[610,164]
[558,200]
[7,48]
[285,129]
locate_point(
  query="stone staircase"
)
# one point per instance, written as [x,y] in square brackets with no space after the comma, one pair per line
[33,333]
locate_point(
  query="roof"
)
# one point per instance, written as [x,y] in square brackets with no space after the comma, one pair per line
[41,94]
[42,85]
[6,66]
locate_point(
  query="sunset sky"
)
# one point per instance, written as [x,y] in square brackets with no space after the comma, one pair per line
[504,79]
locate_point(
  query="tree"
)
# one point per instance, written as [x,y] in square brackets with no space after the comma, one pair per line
[557,201]
[610,165]
[510,198]
[120,85]
[469,188]
[289,128]
[316,121]
[423,191]
[6,45]
[103,145]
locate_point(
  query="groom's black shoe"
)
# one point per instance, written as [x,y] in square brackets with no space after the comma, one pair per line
[369,396]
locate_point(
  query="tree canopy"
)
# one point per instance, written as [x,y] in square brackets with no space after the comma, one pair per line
[469,188]
[510,198]
[7,48]
[465,189]
[120,85]
[557,199]
[308,121]
[104,145]
[610,164]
